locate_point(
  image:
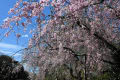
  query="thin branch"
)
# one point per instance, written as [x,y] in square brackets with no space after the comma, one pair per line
[109,62]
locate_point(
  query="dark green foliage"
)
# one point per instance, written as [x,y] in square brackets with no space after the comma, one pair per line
[11,69]
[59,73]
[105,76]
[65,72]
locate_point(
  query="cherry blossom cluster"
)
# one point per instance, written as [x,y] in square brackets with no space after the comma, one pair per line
[72,27]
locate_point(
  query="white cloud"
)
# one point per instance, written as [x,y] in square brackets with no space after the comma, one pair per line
[9,53]
[5,52]
[10,46]
[17,54]
[6,19]
[11,49]
[25,36]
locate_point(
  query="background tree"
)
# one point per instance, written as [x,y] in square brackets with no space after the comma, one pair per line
[11,69]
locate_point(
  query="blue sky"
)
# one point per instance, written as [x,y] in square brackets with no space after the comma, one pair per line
[9,44]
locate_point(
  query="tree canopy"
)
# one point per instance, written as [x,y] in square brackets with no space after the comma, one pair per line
[11,69]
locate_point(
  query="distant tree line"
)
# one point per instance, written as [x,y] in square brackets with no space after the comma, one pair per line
[11,69]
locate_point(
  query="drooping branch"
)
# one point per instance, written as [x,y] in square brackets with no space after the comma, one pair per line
[100,2]
[71,71]
[68,49]
[109,62]
[115,50]
[108,44]
[99,37]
